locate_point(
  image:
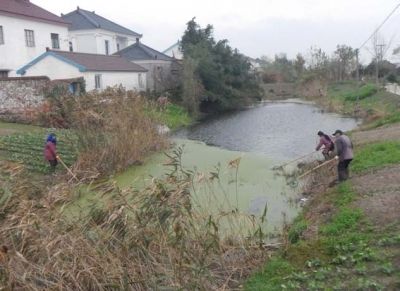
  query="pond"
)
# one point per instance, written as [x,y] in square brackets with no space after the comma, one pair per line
[262,137]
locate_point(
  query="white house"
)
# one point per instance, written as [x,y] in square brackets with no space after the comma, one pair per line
[174,51]
[25,32]
[163,71]
[92,33]
[98,71]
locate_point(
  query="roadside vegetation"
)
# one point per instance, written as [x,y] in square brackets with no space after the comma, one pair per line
[346,251]
[377,155]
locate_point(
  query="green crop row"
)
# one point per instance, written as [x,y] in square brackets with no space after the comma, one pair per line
[27,148]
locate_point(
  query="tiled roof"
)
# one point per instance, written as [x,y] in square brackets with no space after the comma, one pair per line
[89,62]
[139,51]
[25,8]
[82,19]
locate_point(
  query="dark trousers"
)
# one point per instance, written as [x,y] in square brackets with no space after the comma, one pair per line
[53,164]
[343,170]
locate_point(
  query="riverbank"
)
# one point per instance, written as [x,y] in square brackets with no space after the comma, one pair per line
[347,237]
[373,104]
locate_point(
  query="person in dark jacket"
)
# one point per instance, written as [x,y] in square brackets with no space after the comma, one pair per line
[344,153]
[50,151]
[326,143]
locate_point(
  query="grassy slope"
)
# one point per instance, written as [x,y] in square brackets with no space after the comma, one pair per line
[347,253]
[174,116]
[377,106]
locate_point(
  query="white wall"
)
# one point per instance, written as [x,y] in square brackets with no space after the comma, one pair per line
[57,69]
[14,53]
[85,43]
[93,41]
[54,69]
[129,80]
[174,52]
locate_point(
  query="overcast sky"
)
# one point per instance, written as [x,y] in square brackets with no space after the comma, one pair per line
[255,27]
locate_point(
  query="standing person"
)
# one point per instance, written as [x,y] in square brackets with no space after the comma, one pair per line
[326,142]
[344,151]
[50,151]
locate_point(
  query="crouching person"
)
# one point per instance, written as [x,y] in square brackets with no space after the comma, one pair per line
[326,143]
[344,151]
[50,151]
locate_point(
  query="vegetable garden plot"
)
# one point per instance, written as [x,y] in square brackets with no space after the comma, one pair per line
[27,148]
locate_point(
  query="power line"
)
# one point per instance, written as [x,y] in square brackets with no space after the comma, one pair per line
[379,27]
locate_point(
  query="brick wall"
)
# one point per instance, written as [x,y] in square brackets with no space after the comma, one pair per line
[23,99]
[20,98]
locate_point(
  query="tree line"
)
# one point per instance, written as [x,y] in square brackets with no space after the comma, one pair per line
[217,77]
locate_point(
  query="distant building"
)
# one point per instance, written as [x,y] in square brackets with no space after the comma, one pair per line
[92,33]
[25,31]
[163,71]
[255,64]
[174,51]
[98,71]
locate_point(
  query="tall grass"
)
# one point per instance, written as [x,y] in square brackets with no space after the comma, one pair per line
[112,128]
[154,239]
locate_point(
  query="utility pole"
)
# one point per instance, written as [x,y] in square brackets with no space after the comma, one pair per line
[358,67]
[379,57]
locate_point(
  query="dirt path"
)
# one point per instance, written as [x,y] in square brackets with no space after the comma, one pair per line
[380,195]
[380,189]
[391,132]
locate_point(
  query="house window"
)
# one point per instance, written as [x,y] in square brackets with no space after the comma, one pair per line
[1,35]
[117,47]
[74,88]
[71,48]
[107,47]
[29,38]
[140,80]
[97,81]
[55,41]
[3,74]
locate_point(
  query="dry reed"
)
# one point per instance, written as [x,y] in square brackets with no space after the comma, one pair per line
[154,239]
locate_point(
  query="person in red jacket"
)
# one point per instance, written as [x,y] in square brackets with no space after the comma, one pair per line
[50,151]
[326,143]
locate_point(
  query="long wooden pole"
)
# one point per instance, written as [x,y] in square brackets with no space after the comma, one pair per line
[295,160]
[316,168]
[68,169]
